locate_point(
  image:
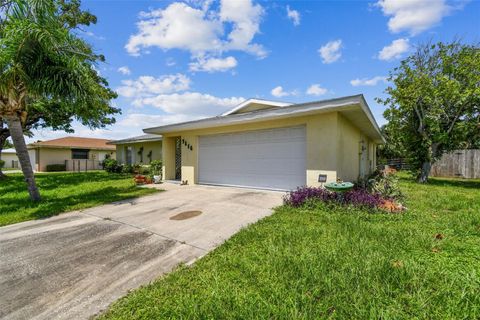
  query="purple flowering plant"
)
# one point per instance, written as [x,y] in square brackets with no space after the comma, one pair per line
[355,197]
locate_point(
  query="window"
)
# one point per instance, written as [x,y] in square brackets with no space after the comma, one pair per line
[129,151]
[80,154]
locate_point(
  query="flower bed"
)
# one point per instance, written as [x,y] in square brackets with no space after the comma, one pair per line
[356,197]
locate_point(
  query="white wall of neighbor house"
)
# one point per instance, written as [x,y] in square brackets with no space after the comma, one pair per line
[11,159]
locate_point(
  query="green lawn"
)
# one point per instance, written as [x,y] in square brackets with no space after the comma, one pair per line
[320,263]
[62,192]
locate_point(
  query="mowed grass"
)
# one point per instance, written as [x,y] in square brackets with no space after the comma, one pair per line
[317,263]
[62,192]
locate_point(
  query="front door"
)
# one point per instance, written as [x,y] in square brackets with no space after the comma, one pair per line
[363,159]
[178,158]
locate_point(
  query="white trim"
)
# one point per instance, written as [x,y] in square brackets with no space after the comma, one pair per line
[241,187]
[248,102]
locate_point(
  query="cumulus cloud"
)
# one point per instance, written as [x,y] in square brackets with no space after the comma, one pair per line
[414,16]
[199,30]
[190,103]
[124,70]
[394,50]
[316,90]
[279,92]
[331,51]
[213,64]
[244,18]
[368,82]
[148,85]
[293,15]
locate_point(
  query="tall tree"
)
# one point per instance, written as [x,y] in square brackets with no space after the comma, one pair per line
[433,106]
[47,75]
[72,17]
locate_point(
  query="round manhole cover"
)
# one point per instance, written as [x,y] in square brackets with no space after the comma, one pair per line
[186,215]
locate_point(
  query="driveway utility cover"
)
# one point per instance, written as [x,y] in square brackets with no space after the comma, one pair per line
[186,215]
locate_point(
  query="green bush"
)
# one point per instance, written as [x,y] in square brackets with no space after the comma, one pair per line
[56,167]
[127,168]
[385,184]
[156,167]
[112,166]
[144,170]
[2,164]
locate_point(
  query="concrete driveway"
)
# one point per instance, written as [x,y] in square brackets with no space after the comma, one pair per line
[74,265]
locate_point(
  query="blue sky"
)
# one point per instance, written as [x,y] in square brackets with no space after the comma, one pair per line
[175,61]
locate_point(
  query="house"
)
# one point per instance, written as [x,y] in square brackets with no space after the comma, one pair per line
[11,159]
[76,153]
[141,149]
[274,145]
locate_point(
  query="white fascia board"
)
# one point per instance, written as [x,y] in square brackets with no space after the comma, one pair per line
[258,101]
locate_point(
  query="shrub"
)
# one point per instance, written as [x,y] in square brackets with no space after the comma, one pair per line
[127,168]
[156,167]
[385,183]
[144,170]
[356,197]
[2,164]
[112,166]
[55,167]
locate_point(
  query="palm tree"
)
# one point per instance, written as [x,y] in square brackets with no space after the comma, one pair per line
[41,61]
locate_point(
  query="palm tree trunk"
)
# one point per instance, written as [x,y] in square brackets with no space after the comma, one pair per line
[2,142]
[16,132]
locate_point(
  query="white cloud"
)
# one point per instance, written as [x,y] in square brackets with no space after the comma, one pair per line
[414,16]
[278,92]
[190,103]
[147,85]
[394,50]
[331,51]
[213,64]
[199,30]
[170,62]
[245,18]
[124,70]
[294,15]
[177,26]
[316,90]
[368,82]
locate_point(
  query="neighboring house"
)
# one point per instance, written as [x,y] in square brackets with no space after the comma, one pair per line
[142,149]
[11,159]
[76,153]
[272,145]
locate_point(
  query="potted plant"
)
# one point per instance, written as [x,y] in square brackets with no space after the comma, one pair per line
[156,171]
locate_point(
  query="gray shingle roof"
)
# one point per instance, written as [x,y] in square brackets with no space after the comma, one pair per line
[142,138]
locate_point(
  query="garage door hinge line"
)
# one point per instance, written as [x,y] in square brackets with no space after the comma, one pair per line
[145,229]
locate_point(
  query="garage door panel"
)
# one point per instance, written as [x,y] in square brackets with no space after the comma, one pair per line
[273,158]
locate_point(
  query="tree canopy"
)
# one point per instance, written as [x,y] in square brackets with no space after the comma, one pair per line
[47,73]
[433,103]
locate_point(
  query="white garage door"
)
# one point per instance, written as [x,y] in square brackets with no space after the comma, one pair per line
[270,159]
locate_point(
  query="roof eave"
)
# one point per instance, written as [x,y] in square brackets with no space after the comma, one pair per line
[338,104]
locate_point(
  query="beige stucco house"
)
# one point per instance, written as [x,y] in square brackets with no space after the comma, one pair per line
[76,153]
[274,145]
[138,150]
